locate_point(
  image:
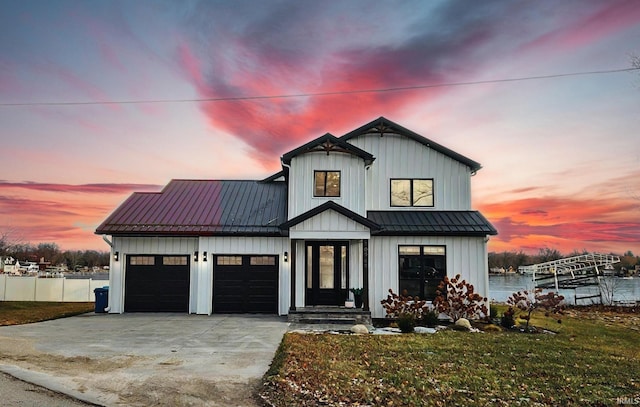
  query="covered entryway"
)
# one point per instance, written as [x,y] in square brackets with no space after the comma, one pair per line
[245,284]
[327,272]
[157,283]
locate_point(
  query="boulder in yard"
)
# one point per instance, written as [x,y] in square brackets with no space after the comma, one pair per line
[463,323]
[359,329]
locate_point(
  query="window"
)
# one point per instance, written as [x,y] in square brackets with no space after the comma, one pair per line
[412,192]
[263,260]
[142,260]
[174,260]
[229,260]
[326,183]
[421,269]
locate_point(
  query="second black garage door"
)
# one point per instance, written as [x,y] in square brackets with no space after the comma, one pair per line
[155,283]
[245,284]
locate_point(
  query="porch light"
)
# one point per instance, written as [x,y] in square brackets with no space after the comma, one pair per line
[195,256]
[116,256]
[286,257]
[204,256]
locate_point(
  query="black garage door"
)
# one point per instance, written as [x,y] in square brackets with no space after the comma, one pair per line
[245,284]
[156,283]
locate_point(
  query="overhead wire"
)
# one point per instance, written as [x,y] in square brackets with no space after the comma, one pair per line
[316,94]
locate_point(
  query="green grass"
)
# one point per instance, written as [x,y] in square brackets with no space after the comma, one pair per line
[589,362]
[25,312]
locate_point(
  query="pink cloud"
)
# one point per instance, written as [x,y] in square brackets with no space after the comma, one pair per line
[83,188]
[611,17]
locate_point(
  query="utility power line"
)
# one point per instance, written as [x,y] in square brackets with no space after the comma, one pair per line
[331,93]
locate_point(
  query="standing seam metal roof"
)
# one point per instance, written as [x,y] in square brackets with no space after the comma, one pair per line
[421,223]
[202,207]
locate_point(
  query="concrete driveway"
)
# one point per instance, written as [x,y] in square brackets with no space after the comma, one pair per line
[145,359]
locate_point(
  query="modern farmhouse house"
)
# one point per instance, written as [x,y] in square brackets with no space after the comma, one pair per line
[380,207]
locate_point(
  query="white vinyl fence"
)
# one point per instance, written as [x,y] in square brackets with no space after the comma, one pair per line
[16,288]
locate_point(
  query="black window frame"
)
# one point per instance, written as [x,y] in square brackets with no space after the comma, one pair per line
[428,276]
[411,205]
[315,172]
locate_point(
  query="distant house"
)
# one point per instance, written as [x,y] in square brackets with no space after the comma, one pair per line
[10,265]
[380,207]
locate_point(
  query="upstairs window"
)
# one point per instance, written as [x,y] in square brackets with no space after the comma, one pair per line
[326,183]
[412,192]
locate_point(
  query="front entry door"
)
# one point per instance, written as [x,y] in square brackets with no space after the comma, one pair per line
[327,273]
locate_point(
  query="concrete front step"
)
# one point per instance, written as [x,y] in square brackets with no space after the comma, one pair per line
[330,315]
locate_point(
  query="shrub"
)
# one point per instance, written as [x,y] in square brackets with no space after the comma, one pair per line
[507,320]
[406,309]
[406,323]
[493,311]
[528,301]
[431,317]
[457,299]
[397,305]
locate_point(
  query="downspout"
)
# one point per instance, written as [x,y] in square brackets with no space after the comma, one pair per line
[110,243]
[104,237]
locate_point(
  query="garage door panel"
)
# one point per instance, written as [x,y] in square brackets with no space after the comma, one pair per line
[245,284]
[155,283]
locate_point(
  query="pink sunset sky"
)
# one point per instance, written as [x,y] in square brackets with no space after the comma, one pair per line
[560,156]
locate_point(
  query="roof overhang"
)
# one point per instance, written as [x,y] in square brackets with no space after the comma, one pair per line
[328,144]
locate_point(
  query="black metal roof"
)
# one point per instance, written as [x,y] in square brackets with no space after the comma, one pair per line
[382,126]
[201,208]
[328,143]
[432,223]
[334,206]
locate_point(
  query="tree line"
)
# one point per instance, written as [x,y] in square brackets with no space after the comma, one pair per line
[50,252]
[515,259]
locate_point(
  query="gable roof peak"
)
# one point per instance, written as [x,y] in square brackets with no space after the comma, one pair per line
[382,126]
[328,143]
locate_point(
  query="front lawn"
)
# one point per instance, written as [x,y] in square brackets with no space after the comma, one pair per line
[593,360]
[25,312]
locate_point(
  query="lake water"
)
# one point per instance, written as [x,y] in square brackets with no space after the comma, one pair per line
[501,286]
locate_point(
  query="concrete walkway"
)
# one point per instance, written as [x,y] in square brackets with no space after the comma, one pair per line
[145,359]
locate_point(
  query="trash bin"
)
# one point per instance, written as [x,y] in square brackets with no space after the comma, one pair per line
[102,299]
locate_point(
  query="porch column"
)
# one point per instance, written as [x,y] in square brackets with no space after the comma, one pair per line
[365,273]
[292,267]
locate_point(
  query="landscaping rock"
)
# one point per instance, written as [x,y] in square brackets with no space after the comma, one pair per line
[423,330]
[463,323]
[359,329]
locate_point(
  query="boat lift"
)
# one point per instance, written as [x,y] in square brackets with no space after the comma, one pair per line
[571,272]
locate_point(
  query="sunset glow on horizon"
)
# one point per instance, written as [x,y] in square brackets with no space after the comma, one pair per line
[560,155]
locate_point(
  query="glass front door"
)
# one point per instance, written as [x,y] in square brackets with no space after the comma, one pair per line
[327,273]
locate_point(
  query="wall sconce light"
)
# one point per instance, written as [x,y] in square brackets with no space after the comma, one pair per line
[116,256]
[204,256]
[195,256]
[286,257]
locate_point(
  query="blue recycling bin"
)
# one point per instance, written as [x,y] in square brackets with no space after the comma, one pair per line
[102,299]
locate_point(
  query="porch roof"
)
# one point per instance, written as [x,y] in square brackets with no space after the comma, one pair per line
[432,223]
[334,206]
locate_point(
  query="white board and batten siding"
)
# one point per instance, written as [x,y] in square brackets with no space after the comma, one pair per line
[301,182]
[401,157]
[464,255]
